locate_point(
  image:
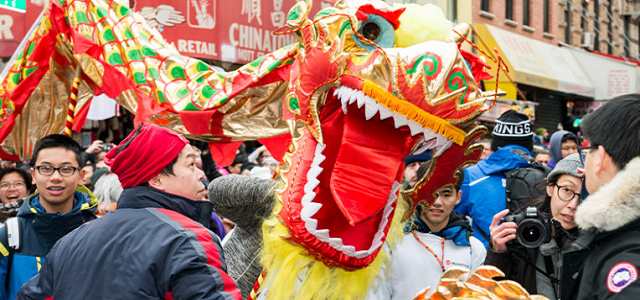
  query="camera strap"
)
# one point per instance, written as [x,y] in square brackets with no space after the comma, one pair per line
[548,263]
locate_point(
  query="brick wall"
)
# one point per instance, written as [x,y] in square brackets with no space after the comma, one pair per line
[616,38]
[496,16]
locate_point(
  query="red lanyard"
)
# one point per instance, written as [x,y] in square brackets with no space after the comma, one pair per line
[434,254]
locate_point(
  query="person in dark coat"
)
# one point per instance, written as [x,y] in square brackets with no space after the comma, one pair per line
[155,245]
[604,261]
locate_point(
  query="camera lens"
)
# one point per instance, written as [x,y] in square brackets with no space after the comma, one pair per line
[531,233]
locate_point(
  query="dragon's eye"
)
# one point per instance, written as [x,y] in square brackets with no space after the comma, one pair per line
[371,31]
[378,30]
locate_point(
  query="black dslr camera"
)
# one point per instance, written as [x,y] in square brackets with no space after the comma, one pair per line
[533,229]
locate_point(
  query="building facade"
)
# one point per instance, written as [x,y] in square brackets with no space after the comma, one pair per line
[604,26]
[530,18]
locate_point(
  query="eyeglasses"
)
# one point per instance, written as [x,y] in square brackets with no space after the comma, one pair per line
[566,194]
[65,171]
[584,151]
[16,185]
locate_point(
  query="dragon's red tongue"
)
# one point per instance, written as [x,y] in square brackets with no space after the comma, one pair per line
[367,164]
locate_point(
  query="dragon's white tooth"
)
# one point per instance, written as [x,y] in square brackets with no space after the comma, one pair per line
[336,243]
[399,120]
[344,107]
[336,92]
[442,146]
[370,108]
[361,99]
[310,209]
[423,147]
[414,127]
[311,225]
[322,234]
[441,140]
[384,112]
[429,134]
[349,250]
[352,96]
[431,143]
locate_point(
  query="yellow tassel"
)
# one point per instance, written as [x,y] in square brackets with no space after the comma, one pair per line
[413,112]
[292,274]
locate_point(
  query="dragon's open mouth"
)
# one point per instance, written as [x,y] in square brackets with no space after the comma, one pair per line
[365,143]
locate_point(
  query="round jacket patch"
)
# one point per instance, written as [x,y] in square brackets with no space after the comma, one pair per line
[620,276]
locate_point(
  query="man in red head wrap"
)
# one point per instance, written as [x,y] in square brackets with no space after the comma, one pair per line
[154,245]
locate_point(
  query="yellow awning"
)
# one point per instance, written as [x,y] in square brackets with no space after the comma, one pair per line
[532,62]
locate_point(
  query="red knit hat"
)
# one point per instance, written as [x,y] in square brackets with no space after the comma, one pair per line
[144,154]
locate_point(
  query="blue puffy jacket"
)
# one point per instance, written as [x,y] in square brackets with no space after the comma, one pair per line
[39,232]
[483,188]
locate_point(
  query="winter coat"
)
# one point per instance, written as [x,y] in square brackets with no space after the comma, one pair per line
[39,232]
[150,247]
[519,263]
[413,267]
[604,261]
[483,188]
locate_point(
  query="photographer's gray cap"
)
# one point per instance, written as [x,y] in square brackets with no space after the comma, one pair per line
[567,165]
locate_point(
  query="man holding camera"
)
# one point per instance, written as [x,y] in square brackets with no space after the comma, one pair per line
[529,250]
[606,257]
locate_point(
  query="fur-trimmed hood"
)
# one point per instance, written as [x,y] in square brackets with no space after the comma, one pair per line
[615,204]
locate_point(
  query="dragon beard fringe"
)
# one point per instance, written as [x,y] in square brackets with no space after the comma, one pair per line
[292,274]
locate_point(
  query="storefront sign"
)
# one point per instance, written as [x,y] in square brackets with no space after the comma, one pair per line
[233,31]
[610,77]
[16,17]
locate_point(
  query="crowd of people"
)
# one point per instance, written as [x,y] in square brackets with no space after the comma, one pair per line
[141,208]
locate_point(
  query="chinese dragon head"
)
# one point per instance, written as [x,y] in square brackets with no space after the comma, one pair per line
[358,106]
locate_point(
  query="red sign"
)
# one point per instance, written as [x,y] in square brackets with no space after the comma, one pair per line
[234,31]
[15,25]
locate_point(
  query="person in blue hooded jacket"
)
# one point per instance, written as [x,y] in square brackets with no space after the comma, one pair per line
[483,189]
[59,205]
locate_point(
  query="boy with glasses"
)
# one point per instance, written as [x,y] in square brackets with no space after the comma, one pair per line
[59,205]
[604,261]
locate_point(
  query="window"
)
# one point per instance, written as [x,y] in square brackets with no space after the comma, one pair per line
[526,13]
[484,5]
[508,14]
[546,16]
[626,34]
[610,29]
[596,24]
[584,23]
[567,19]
